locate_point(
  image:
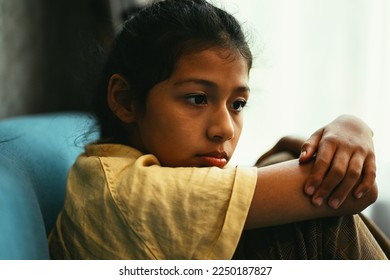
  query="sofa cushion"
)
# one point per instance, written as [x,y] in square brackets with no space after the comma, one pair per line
[35,155]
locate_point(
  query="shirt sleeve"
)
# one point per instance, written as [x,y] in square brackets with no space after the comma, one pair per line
[182,213]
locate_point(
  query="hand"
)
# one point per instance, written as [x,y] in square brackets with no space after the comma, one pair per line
[344,161]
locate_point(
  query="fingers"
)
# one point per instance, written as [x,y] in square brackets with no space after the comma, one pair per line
[369,176]
[310,146]
[344,162]
[346,175]
[321,166]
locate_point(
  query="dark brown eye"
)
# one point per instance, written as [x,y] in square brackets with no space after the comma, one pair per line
[198,99]
[238,105]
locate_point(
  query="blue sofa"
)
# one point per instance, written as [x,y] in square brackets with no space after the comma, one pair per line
[36,152]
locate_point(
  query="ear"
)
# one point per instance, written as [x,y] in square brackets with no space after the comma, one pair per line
[120,100]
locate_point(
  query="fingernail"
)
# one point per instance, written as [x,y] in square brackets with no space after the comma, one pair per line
[334,203]
[359,195]
[303,153]
[318,201]
[310,190]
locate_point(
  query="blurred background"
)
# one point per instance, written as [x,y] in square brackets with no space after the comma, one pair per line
[314,60]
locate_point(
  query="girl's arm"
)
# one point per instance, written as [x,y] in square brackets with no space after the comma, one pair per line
[279,197]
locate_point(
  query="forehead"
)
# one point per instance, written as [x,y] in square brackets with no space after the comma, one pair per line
[212,62]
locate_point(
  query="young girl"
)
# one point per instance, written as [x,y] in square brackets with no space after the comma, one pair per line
[158,186]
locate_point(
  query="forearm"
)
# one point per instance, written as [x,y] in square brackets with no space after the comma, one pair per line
[279,197]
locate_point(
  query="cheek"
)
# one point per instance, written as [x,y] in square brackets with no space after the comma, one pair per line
[238,123]
[164,133]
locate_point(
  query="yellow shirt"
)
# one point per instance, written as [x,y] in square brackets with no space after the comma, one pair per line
[121,204]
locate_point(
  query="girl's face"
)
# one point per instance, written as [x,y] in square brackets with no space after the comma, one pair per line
[194,118]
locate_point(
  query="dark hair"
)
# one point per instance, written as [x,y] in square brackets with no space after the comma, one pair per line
[151,42]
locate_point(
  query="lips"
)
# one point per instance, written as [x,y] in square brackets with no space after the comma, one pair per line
[218,159]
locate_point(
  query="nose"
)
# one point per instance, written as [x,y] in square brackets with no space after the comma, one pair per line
[221,126]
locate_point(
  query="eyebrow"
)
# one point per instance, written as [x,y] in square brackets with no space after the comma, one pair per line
[209,84]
